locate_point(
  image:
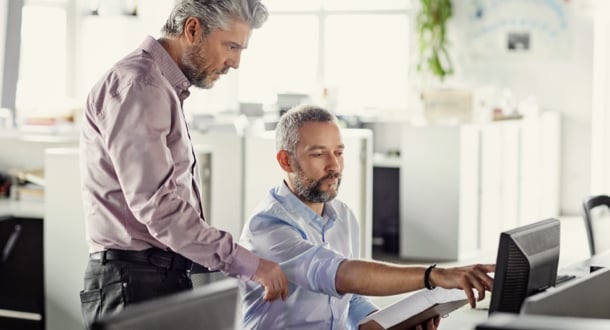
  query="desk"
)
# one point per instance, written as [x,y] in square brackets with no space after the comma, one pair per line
[21,274]
[467,318]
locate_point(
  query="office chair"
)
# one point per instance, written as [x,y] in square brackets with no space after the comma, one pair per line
[597,222]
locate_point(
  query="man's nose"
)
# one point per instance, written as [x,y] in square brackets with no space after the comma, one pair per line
[234,61]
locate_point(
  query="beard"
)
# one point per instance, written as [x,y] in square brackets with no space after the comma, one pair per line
[310,190]
[194,64]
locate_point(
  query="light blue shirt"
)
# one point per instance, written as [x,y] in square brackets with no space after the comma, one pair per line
[309,247]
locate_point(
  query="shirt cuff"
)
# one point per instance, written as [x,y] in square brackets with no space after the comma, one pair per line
[244,264]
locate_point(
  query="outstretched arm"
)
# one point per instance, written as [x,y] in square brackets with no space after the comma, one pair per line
[374,278]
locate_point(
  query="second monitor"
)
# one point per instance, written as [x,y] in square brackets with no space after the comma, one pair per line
[587,296]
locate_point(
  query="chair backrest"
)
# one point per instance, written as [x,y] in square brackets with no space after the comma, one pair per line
[596,213]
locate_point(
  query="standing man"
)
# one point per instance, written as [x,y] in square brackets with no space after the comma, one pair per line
[140,183]
[314,236]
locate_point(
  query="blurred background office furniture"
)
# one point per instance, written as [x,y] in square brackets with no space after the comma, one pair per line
[66,251]
[21,273]
[386,206]
[461,185]
[503,321]
[596,214]
[214,306]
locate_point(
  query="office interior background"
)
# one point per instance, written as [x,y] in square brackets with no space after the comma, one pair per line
[516,133]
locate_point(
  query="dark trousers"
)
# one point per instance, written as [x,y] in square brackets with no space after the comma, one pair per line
[128,277]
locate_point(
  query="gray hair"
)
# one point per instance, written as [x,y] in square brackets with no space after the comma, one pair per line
[214,14]
[287,130]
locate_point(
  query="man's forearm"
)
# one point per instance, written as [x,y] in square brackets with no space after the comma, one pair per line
[373,278]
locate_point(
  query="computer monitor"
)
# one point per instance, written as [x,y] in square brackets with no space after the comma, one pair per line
[587,296]
[526,264]
[213,306]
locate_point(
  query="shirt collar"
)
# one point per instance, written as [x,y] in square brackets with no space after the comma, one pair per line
[171,71]
[294,204]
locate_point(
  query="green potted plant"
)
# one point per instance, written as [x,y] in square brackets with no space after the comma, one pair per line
[431,27]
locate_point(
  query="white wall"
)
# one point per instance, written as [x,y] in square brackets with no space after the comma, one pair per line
[560,81]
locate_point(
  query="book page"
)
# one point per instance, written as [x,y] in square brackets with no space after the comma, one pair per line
[414,304]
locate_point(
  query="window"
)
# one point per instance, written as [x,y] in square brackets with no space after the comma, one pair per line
[358,51]
[355,50]
[64,50]
[42,83]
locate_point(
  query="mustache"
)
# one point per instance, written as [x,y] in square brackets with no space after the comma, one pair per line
[224,71]
[334,175]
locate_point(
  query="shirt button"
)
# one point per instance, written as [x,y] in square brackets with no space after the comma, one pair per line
[185,84]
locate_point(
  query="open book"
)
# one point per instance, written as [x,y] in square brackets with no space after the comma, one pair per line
[418,307]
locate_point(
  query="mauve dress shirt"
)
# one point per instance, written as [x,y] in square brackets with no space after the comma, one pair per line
[140,179]
[309,247]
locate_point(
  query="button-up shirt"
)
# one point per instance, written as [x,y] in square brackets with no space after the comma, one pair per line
[140,181]
[309,248]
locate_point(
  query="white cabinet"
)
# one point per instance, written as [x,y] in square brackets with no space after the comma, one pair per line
[65,248]
[462,185]
[438,185]
[223,207]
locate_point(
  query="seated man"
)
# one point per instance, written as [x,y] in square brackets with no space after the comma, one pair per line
[314,237]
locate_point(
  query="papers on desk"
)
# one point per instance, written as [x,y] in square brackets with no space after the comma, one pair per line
[418,307]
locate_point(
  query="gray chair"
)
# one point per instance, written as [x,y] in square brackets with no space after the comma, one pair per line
[596,214]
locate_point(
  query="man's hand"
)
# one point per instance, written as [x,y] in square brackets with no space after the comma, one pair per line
[270,275]
[430,324]
[467,278]
[370,325]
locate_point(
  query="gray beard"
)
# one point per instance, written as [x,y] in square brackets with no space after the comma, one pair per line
[191,69]
[308,190]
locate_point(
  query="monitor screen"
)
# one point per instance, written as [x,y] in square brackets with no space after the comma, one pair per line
[526,264]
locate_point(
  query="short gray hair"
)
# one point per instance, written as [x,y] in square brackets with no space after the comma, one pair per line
[214,14]
[287,130]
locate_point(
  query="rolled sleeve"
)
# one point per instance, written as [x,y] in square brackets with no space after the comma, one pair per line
[315,269]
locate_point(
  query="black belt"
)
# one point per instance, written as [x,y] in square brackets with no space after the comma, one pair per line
[153,256]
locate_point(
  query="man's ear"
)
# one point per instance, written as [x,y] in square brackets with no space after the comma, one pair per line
[192,27]
[283,158]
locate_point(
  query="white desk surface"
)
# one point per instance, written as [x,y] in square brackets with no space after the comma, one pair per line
[23,209]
